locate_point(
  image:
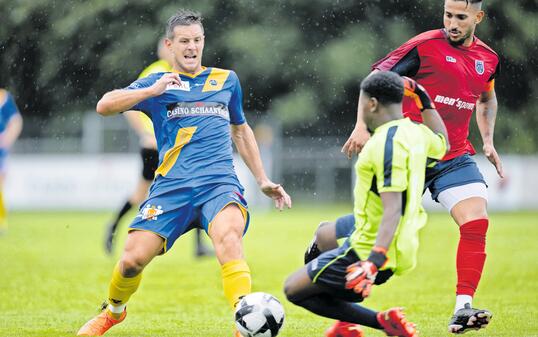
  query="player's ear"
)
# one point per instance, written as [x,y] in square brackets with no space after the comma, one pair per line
[373,104]
[479,17]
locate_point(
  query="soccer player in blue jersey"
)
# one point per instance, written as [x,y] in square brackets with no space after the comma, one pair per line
[196,113]
[10,129]
[143,127]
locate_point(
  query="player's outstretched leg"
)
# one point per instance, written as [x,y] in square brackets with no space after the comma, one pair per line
[140,248]
[394,323]
[226,233]
[468,318]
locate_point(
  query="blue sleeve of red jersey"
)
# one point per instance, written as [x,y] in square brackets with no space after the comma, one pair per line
[10,108]
[235,107]
[145,82]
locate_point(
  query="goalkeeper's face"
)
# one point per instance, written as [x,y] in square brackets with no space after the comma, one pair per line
[187,48]
[460,20]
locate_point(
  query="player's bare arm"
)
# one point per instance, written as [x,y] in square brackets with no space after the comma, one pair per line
[392,211]
[246,144]
[117,101]
[361,275]
[486,113]
[12,132]
[359,136]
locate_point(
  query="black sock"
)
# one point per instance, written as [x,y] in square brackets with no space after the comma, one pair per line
[330,307]
[199,242]
[126,207]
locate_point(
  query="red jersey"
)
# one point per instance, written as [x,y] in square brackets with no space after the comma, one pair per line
[453,76]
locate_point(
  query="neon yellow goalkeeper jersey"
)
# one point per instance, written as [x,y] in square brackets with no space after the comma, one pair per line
[160,66]
[394,160]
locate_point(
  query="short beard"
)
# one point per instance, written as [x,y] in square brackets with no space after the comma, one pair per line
[458,42]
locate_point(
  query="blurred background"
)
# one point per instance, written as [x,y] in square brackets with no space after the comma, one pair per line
[299,62]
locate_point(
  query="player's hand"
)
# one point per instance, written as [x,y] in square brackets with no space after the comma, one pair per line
[356,142]
[277,193]
[360,277]
[493,157]
[417,92]
[160,85]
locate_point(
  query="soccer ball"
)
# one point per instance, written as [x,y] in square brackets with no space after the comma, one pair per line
[259,315]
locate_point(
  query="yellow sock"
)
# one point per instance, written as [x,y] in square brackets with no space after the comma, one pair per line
[235,280]
[121,288]
[3,212]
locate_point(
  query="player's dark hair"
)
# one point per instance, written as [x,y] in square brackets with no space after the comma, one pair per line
[386,86]
[183,17]
[471,2]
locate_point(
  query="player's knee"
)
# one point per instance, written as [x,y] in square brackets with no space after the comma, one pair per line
[229,244]
[326,236]
[131,265]
[291,295]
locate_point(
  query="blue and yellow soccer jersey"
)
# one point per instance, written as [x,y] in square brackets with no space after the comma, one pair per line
[8,109]
[192,125]
[394,160]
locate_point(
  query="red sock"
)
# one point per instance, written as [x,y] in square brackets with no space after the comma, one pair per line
[471,255]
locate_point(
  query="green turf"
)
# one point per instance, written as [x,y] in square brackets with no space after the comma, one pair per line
[54,274]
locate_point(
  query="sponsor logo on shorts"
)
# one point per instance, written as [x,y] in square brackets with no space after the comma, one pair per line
[193,109]
[458,103]
[150,212]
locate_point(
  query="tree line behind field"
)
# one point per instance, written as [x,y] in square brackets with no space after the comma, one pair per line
[299,61]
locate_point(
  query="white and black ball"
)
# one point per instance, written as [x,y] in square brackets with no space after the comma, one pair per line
[259,315]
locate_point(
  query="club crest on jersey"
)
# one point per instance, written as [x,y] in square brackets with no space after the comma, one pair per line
[451,59]
[150,212]
[183,85]
[479,66]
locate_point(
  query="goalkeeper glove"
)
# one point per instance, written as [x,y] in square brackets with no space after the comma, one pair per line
[361,275]
[417,93]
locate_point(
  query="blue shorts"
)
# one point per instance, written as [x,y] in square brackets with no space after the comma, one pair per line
[329,271]
[345,225]
[173,208]
[458,171]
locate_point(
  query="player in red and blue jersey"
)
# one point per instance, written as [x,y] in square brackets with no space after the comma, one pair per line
[10,129]
[196,112]
[458,71]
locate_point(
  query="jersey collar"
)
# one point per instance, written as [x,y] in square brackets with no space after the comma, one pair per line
[190,75]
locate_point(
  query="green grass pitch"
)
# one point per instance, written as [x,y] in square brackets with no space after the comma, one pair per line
[54,275]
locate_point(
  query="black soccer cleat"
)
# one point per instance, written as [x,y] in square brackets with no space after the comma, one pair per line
[467,318]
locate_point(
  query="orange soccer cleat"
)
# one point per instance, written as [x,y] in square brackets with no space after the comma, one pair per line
[100,324]
[394,323]
[344,329]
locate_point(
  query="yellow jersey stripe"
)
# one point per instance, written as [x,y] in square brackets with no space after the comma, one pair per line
[183,136]
[215,80]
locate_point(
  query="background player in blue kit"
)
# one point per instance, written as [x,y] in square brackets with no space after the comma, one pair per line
[196,113]
[10,129]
